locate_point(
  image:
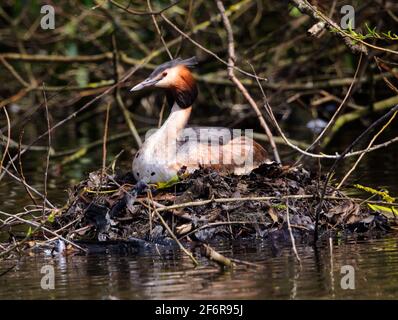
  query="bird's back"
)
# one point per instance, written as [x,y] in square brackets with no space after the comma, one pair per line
[220,148]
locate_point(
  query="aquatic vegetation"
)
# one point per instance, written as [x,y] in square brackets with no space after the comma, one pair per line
[383,194]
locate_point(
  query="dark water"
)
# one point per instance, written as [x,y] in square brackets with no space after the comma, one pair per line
[106,276]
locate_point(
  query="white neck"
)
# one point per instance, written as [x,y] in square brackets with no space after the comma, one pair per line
[176,122]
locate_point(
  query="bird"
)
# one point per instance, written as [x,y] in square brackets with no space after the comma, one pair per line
[176,148]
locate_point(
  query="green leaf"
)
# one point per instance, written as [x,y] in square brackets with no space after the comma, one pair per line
[74,156]
[295,13]
[383,209]
[168,184]
[384,194]
[279,206]
[51,217]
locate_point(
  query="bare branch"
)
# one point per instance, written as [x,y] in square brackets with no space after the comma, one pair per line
[238,83]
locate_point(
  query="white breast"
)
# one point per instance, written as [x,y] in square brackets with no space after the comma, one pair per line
[157,158]
[152,162]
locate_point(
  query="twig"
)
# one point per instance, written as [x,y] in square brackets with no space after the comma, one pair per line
[143,13]
[337,161]
[92,145]
[291,233]
[363,154]
[158,30]
[25,184]
[14,72]
[21,172]
[105,137]
[323,155]
[239,85]
[339,109]
[49,148]
[305,7]
[357,114]
[16,97]
[213,255]
[186,35]
[223,223]
[171,233]
[84,107]
[52,58]
[312,11]
[118,97]
[55,58]
[150,215]
[38,225]
[226,200]
[8,138]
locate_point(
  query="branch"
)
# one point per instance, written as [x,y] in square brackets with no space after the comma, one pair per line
[305,7]
[334,166]
[143,13]
[71,116]
[317,15]
[238,83]
[367,149]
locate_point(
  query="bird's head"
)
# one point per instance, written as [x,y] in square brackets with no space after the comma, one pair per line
[176,78]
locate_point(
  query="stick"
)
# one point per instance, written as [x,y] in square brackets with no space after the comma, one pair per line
[291,233]
[118,97]
[339,109]
[238,83]
[224,200]
[195,262]
[49,148]
[8,138]
[84,107]
[213,255]
[305,7]
[38,225]
[105,137]
[322,155]
[143,13]
[331,171]
[363,154]
[158,30]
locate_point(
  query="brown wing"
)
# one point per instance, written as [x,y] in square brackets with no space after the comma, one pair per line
[216,149]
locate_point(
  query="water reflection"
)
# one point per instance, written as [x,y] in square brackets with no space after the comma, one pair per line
[110,276]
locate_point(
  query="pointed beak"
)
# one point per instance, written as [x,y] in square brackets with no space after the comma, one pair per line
[146,83]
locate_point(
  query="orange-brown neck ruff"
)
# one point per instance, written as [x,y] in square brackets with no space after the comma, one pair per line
[183,91]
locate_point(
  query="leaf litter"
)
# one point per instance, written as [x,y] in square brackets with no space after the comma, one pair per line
[207,206]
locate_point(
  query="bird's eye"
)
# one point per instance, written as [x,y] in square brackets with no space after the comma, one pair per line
[164,74]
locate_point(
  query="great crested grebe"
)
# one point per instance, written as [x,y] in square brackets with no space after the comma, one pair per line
[174,147]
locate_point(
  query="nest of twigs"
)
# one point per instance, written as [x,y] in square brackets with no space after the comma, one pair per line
[205,206]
